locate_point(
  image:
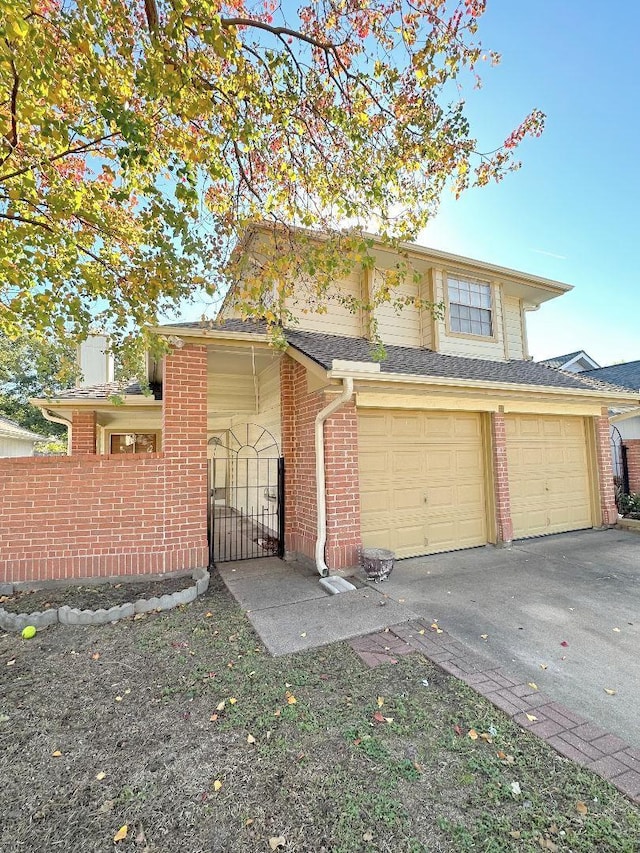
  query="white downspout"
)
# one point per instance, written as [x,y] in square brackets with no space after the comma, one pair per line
[321,417]
[49,416]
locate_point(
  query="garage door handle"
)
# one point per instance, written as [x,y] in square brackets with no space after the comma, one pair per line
[425,498]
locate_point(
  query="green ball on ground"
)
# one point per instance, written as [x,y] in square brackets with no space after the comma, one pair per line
[28,633]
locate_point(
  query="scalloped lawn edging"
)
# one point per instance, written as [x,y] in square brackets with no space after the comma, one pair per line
[66,615]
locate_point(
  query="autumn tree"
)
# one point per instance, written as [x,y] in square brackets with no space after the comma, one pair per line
[141,137]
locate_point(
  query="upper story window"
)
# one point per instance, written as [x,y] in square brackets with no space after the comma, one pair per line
[470,307]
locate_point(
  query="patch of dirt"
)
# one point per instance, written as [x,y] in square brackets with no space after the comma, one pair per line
[100,596]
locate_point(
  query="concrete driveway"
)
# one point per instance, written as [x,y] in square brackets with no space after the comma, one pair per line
[579,589]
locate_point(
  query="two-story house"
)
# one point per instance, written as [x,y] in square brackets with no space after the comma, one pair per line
[455,439]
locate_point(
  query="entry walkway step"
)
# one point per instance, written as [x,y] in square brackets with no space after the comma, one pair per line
[335,585]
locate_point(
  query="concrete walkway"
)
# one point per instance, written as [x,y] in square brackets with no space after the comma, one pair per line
[291,611]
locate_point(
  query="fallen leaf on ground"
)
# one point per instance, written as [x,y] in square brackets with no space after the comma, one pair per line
[277,841]
[220,706]
[473,734]
[251,739]
[378,717]
[248,821]
[213,718]
[401,601]
[380,701]
[11,662]
[609,691]
[100,776]
[564,644]
[515,789]
[515,833]
[486,737]
[547,844]
[291,699]
[531,718]
[581,808]
[484,636]
[232,701]
[121,834]
[56,754]
[367,836]
[544,666]
[436,628]
[217,785]
[95,656]
[617,630]
[532,685]
[118,699]
[277,713]
[208,614]
[457,730]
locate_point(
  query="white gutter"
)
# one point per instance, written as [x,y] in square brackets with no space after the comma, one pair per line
[364,368]
[59,420]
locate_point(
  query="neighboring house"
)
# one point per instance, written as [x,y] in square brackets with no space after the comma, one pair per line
[15,440]
[626,422]
[573,362]
[457,439]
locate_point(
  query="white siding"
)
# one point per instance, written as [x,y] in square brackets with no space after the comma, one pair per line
[629,428]
[13,447]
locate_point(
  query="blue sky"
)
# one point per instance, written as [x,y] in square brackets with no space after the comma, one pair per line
[572,212]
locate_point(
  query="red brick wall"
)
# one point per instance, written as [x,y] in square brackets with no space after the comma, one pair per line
[83,432]
[608,508]
[633,461]
[86,516]
[299,409]
[504,524]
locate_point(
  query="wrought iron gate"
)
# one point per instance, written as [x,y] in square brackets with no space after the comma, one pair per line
[619,462]
[246,495]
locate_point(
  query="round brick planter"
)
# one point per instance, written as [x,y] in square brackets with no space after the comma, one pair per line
[66,615]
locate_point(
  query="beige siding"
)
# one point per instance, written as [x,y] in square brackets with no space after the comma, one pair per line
[466,345]
[398,326]
[232,394]
[337,319]
[513,327]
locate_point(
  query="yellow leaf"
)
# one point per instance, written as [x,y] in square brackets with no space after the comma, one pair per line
[533,685]
[118,698]
[421,631]
[291,699]
[380,701]
[531,718]
[232,701]
[56,754]
[581,807]
[208,614]
[609,692]
[486,737]
[251,739]
[473,734]
[100,776]
[277,841]
[248,821]
[121,834]
[217,785]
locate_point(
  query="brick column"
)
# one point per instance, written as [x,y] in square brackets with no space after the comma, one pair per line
[299,408]
[83,432]
[608,508]
[342,487]
[633,462]
[504,524]
[184,444]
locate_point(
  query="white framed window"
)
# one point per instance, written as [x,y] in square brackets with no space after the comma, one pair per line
[470,307]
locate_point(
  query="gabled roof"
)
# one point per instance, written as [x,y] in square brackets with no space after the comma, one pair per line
[10,429]
[626,375]
[563,361]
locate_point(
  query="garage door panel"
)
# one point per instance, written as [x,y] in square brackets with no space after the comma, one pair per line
[433,455]
[549,478]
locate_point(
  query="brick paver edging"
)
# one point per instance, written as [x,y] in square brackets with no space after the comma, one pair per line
[567,732]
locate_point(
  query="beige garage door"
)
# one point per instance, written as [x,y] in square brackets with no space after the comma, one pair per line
[422,478]
[548,474]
